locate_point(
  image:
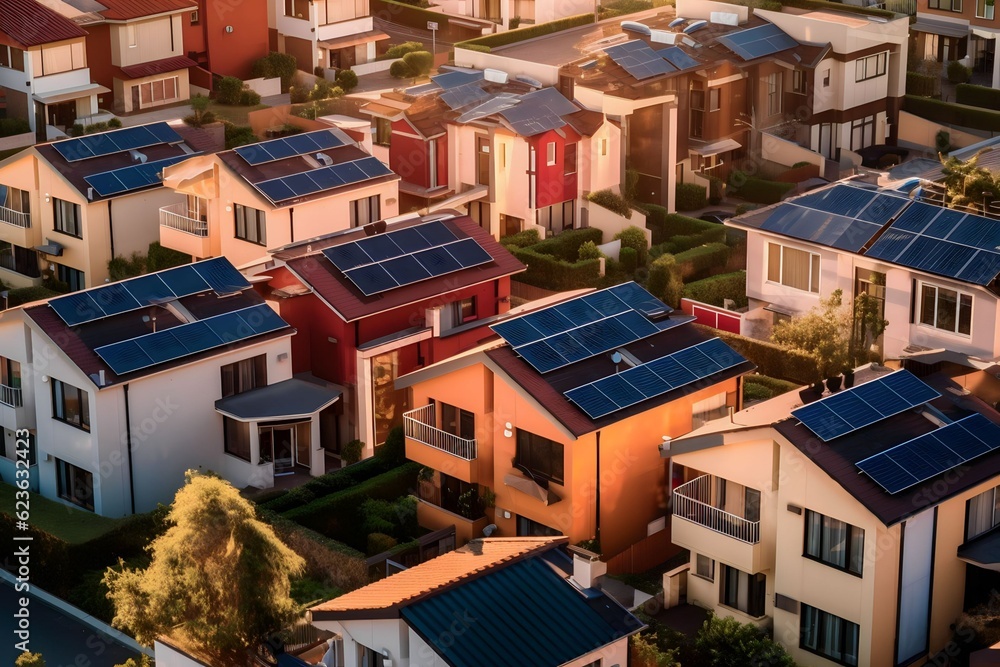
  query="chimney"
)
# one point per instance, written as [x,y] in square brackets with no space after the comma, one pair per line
[588,569]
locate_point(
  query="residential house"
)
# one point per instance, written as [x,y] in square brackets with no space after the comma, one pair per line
[67,208]
[858,526]
[44,71]
[331,34]
[950,30]
[17,401]
[227,38]
[557,425]
[933,270]
[361,326]
[137,381]
[493,602]
[243,201]
[510,14]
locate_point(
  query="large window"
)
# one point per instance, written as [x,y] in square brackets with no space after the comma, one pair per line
[793,268]
[19,260]
[541,457]
[743,592]
[946,5]
[862,133]
[75,484]
[870,67]
[364,211]
[834,542]
[829,636]
[236,436]
[982,513]
[70,405]
[12,198]
[72,277]
[569,159]
[773,87]
[67,217]
[159,91]
[55,59]
[297,8]
[557,217]
[251,224]
[12,58]
[984,9]
[946,309]
[458,422]
[383,131]
[244,375]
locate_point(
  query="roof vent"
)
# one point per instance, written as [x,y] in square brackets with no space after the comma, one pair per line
[635,26]
[138,157]
[495,75]
[324,158]
[677,21]
[662,37]
[531,81]
[695,26]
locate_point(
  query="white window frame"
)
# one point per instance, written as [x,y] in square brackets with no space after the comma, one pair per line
[813,257]
[550,153]
[774,92]
[133,35]
[871,67]
[709,564]
[919,296]
[990,10]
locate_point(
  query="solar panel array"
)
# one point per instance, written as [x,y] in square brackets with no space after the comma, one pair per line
[214,274]
[933,453]
[464,95]
[864,405]
[134,177]
[753,43]
[183,340]
[116,141]
[539,111]
[402,257]
[639,60]
[676,56]
[456,78]
[319,180]
[286,147]
[585,326]
[654,378]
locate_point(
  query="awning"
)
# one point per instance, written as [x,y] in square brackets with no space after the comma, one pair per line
[530,487]
[290,399]
[155,67]
[983,551]
[936,27]
[354,40]
[51,247]
[716,147]
[67,94]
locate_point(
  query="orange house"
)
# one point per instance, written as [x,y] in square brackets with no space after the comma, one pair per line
[556,428]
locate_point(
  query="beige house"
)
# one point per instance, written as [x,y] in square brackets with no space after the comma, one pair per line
[857,547]
[241,202]
[332,34]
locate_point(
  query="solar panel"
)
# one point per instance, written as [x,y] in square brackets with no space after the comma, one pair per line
[286,147]
[864,405]
[456,78]
[676,56]
[655,378]
[758,42]
[77,308]
[931,454]
[405,241]
[464,95]
[639,60]
[220,275]
[134,177]
[319,180]
[116,141]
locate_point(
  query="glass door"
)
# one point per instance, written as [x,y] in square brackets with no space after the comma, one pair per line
[277,444]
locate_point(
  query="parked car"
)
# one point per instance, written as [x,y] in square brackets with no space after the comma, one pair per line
[715,216]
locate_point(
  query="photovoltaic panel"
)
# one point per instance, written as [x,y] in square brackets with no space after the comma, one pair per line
[77,308]
[405,241]
[116,141]
[311,182]
[455,78]
[220,275]
[864,405]
[635,385]
[286,147]
[639,60]
[464,95]
[134,177]
[676,56]
[931,454]
[758,42]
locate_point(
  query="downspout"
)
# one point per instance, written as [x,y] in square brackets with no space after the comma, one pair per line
[111,230]
[291,223]
[128,441]
[597,493]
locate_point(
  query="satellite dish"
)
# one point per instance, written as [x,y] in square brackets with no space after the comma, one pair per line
[616,357]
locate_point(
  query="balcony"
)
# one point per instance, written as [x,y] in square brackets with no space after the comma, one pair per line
[701,527]
[15,218]
[436,448]
[13,414]
[183,233]
[10,396]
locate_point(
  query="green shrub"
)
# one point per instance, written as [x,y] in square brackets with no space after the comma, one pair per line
[76,130]
[401,50]
[549,272]
[681,242]
[96,127]
[228,90]
[380,543]
[628,258]
[23,295]
[327,560]
[401,70]
[942,141]
[566,245]
[122,267]
[773,386]
[634,238]
[159,258]
[324,485]
[690,197]
[666,227]
[249,98]
[924,85]
[770,359]
[298,94]
[347,80]
[397,518]
[756,392]
[977,96]
[612,201]
[351,452]
[762,191]
[11,126]
[958,73]
[664,280]
[745,208]
[513,36]
[588,250]
[620,7]
[698,262]
[239,135]
[419,62]
[716,289]
[948,113]
[393,450]
[523,239]
[274,64]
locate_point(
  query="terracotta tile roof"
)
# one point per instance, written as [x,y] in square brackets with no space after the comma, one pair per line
[427,115]
[474,559]
[29,23]
[123,10]
[158,67]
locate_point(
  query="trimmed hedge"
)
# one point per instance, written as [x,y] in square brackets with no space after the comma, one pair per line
[612,201]
[698,262]
[521,34]
[682,242]
[523,239]
[716,289]
[826,5]
[925,85]
[566,245]
[770,359]
[664,280]
[326,560]
[949,113]
[690,196]
[666,226]
[23,295]
[325,485]
[761,191]
[11,126]
[551,273]
[159,258]
[976,96]
[766,387]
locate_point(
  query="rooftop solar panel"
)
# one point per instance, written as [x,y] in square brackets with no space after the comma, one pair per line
[116,141]
[453,79]
[286,147]
[134,177]
[676,56]
[758,42]
[464,95]
[639,60]
[306,183]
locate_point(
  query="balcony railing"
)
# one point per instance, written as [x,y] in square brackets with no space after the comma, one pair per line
[16,218]
[175,216]
[419,425]
[10,396]
[691,502]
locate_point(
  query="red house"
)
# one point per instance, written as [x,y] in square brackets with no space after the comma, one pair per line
[226,37]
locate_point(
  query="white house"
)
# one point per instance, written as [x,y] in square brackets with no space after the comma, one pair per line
[326,33]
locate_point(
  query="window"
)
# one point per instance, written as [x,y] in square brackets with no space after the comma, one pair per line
[72,277]
[743,592]
[596,663]
[528,528]
[946,5]
[870,67]
[364,211]
[133,35]
[244,375]
[773,87]
[696,127]
[557,217]
[236,438]
[460,497]
[251,224]
[67,217]
[297,8]
[10,373]
[540,457]
[713,99]
[604,147]
[550,153]
[984,9]
[828,635]
[75,484]
[704,567]
[383,131]
[826,78]
[982,513]
[569,160]
[793,268]
[946,309]
[834,542]
[159,91]
[12,58]
[369,657]
[862,133]
[706,410]
[194,17]
[14,199]
[70,405]
[19,260]
[463,311]
[458,422]
[799,81]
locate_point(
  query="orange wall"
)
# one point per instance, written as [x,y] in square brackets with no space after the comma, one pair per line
[229,53]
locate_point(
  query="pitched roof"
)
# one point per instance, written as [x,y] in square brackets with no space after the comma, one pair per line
[30,23]
[123,10]
[155,67]
[389,595]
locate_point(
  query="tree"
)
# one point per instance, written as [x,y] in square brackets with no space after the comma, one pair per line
[29,659]
[968,185]
[869,324]
[143,661]
[646,653]
[725,642]
[201,116]
[419,62]
[823,333]
[218,573]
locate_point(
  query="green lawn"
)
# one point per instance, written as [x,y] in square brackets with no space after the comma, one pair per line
[69,524]
[234,114]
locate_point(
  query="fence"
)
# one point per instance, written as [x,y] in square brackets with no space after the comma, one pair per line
[643,555]
[713,316]
[264,87]
[419,425]
[908,7]
[690,502]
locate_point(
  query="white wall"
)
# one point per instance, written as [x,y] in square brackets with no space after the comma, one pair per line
[547,74]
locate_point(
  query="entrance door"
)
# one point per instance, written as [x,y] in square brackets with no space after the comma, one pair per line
[283,441]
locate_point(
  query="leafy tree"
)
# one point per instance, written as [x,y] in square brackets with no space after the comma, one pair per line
[218,573]
[823,333]
[201,116]
[29,659]
[725,642]
[646,653]
[419,62]
[143,661]
[869,324]
[967,184]
[347,80]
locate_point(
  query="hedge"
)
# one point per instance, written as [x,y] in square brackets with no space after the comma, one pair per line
[11,126]
[924,85]
[612,201]
[690,197]
[325,485]
[977,96]
[716,289]
[566,245]
[948,113]
[681,242]
[770,359]
[523,239]
[665,226]
[326,560]
[521,34]
[761,191]
[551,273]
[698,262]
[826,5]
[159,258]
[23,295]
[767,387]
[664,280]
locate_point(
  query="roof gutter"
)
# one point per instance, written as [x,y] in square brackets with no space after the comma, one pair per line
[128,442]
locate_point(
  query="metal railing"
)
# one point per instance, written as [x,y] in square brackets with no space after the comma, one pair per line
[175,217]
[16,218]
[10,396]
[418,425]
[691,502]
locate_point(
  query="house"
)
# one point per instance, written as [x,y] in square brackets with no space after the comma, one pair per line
[517,155]
[933,270]
[369,310]
[329,34]
[511,14]
[135,382]
[858,526]
[67,208]
[493,602]
[227,38]
[554,429]
[949,30]
[240,202]
[44,69]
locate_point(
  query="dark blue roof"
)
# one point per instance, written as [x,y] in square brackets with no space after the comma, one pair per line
[523,614]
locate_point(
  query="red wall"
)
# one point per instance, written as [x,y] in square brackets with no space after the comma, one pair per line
[229,54]
[408,156]
[553,186]
[99,61]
